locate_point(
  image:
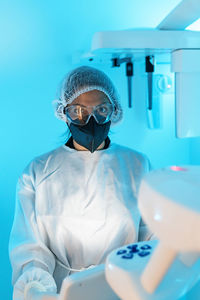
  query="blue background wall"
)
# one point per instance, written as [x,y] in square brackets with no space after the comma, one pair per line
[40,41]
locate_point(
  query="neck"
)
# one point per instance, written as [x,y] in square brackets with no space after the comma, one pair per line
[81,148]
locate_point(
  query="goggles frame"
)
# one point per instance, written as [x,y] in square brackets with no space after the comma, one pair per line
[92,109]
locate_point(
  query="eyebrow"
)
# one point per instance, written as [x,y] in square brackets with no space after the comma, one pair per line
[105,101]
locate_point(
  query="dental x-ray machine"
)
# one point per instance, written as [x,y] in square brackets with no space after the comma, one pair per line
[162,269]
[167,267]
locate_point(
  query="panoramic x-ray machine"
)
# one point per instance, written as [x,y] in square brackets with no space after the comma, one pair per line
[168,266]
[161,269]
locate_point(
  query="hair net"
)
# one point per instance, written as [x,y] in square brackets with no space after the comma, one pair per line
[84,79]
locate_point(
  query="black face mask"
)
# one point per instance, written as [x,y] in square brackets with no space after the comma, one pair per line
[90,135]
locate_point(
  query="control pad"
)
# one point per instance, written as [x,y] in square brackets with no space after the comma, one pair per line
[134,250]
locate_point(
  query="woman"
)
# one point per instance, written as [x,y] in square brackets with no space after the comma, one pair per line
[78,202]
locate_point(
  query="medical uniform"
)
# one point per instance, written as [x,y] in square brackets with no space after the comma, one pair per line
[73,208]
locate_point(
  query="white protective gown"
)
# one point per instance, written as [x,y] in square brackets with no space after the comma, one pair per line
[73,208]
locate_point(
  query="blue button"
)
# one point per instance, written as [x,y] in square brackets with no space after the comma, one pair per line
[134,250]
[145,247]
[127,256]
[134,246]
[144,253]
[121,252]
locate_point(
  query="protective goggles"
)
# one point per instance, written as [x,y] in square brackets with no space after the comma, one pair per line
[79,114]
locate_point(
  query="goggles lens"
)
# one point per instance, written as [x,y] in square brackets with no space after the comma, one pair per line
[80,114]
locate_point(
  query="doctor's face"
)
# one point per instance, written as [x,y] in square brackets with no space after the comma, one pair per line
[94,103]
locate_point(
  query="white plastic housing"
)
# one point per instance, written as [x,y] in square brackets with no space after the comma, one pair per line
[124,275]
[169,204]
[144,41]
[186,65]
[88,284]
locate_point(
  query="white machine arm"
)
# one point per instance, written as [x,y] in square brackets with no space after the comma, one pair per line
[185,13]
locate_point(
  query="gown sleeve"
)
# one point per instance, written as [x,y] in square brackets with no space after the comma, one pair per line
[30,258]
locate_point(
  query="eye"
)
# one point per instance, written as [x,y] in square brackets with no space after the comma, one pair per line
[75,109]
[102,109]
